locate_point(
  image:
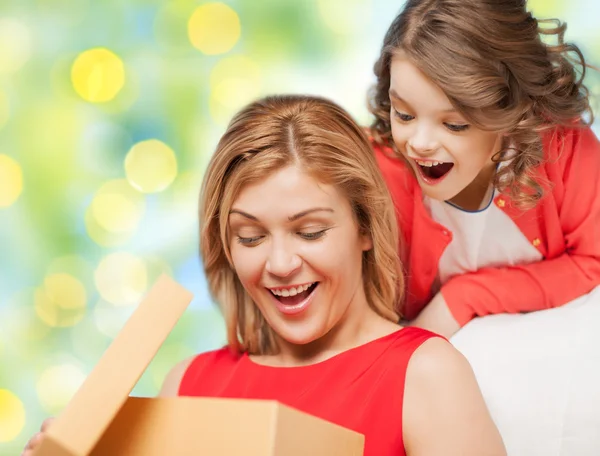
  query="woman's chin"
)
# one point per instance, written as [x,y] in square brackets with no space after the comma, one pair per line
[299,333]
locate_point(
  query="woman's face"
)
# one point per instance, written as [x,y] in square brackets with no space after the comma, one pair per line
[297,250]
[447,154]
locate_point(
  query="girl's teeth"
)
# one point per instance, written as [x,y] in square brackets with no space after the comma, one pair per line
[429,164]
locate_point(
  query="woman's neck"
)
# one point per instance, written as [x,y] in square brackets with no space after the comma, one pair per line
[359,325]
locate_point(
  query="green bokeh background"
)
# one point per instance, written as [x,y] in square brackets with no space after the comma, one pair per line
[67,148]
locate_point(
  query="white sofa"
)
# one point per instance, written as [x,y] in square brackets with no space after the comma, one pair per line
[540,376]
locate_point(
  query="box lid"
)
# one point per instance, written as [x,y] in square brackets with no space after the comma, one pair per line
[107,387]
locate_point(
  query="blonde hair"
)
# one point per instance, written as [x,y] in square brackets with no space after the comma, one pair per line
[489,59]
[322,138]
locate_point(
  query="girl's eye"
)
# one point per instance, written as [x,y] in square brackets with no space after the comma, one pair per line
[456,127]
[313,236]
[249,241]
[403,116]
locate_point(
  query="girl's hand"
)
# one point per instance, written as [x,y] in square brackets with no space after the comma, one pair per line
[436,317]
[35,441]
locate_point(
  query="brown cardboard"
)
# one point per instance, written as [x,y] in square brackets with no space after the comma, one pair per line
[101,419]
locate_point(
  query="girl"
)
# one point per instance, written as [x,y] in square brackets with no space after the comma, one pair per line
[299,243]
[482,134]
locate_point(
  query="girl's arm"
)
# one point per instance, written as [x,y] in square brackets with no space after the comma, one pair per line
[444,411]
[574,172]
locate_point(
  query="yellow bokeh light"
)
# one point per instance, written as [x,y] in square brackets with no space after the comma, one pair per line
[114,213]
[234,81]
[25,324]
[98,75]
[103,237]
[110,319]
[151,166]
[214,28]
[61,301]
[345,16]
[121,278]
[57,385]
[86,342]
[11,181]
[546,8]
[75,265]
[4,109]
[12,416]
[15,45]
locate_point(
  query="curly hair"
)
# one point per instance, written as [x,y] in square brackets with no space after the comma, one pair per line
[324,141]
[490,60]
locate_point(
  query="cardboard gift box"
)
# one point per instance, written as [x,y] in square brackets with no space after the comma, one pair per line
[102,419]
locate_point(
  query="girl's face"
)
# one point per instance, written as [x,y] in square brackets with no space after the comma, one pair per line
[449,157]
[297,250]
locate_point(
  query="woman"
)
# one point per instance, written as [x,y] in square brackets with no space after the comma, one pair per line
[299,243]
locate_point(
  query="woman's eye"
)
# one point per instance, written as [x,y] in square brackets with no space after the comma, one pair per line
[312,236]
[249,241]
[403,116]
[456,127]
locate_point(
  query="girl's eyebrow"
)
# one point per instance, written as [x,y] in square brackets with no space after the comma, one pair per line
[393,94]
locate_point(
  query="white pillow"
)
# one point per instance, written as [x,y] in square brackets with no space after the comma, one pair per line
[540,376]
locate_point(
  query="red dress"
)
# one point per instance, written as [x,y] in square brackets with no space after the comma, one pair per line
[361,389]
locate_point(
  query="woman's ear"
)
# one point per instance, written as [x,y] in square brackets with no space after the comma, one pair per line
[366,241]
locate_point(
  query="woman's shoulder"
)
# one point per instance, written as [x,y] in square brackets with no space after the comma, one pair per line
[442,397]
[194,366]
[436,360]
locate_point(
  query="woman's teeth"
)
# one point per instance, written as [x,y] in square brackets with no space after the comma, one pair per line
[285,292]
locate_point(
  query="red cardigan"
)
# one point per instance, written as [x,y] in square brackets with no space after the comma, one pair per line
[564,226]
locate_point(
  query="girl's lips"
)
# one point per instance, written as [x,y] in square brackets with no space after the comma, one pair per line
[295,309]
[430,178]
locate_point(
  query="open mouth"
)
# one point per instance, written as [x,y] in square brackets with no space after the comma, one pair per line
[294,296]
[434,170]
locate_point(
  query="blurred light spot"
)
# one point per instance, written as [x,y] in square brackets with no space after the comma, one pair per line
[86,341]
[114,213]
[102,146]
[345,16]
[4,109]
[546,8]
[156,266]
[102,237]
[151,166]
[57,385]
[11,181]
[25,324]
[121,279]
[171,24]
[214,28]
[183,197]
[98,75]
[61,301]
[110,319]
[12,416]
[234,81]
[75,266]
[15,45]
